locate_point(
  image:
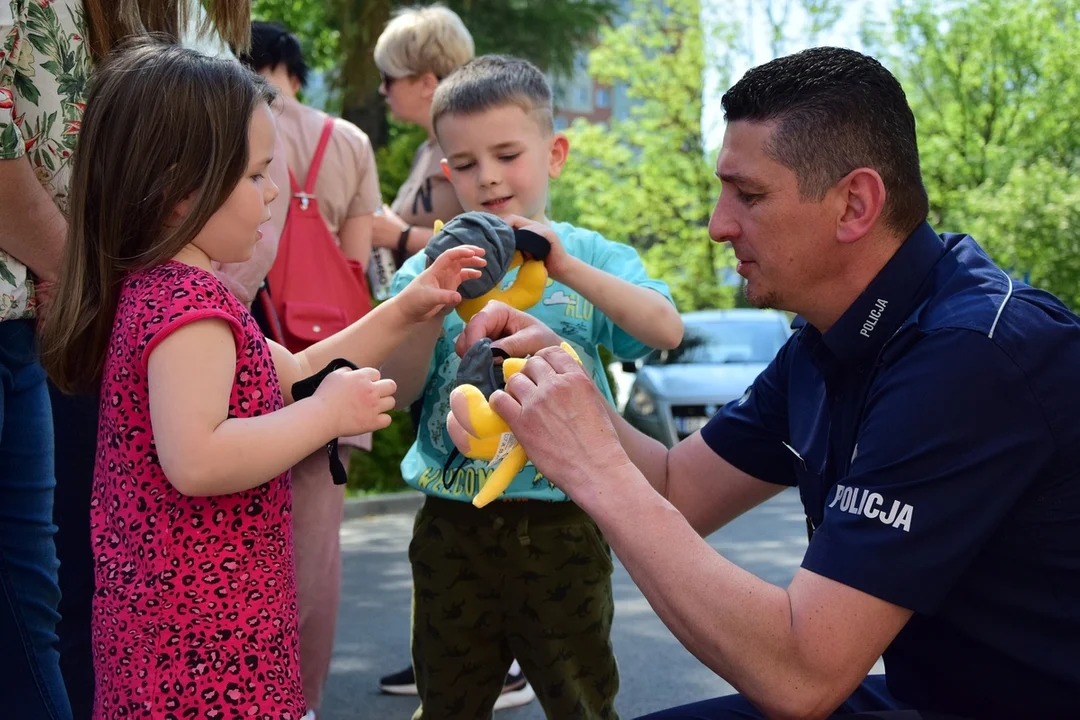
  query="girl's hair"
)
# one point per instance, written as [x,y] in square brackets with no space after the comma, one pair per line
[112,21]
[163,123]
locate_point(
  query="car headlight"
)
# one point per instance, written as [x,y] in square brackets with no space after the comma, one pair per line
[642,402]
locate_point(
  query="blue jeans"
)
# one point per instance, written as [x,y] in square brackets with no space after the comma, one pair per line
[870,701]
[30,681]
[75,421]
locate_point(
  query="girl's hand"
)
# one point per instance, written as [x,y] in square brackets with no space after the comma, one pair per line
[434,291]
[356,401]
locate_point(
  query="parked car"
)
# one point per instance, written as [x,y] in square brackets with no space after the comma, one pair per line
[675,392]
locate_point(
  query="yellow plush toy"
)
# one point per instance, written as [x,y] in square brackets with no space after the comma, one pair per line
[526,291]
[505,249]
[489,436]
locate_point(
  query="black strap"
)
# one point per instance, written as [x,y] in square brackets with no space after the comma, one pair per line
[532,243]
[306,388]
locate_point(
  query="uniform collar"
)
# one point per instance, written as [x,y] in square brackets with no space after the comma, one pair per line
[890,298]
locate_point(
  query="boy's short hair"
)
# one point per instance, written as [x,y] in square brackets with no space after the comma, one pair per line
[272,45]
[422,40]
[492,81]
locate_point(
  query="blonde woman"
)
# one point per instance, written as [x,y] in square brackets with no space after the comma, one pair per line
[419,47]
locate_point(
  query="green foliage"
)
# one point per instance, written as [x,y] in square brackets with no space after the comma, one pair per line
[647,180]
[311,21]
[394,159]
[339,35]
[379,471]
[994,89]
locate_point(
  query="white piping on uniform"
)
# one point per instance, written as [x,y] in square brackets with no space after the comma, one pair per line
[1007,296]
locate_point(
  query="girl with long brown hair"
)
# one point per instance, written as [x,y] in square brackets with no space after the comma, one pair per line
[195,605]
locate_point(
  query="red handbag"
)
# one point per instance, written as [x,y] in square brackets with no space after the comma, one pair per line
[316,291]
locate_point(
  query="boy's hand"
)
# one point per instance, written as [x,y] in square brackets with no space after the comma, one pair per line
[357,401]
[558,260]
[435,290]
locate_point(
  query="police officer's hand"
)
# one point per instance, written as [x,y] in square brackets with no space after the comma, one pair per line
[557,414]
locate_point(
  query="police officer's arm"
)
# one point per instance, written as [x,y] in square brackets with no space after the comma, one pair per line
[912,516]
[701,484]
[708,490]
[795,652]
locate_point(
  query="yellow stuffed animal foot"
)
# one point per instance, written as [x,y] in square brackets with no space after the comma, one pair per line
[479,433]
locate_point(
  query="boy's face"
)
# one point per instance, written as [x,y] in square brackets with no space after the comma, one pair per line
[499,160]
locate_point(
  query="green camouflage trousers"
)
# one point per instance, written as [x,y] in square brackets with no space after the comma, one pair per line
[528,580]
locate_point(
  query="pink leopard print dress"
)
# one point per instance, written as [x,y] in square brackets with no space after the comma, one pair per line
[195,608]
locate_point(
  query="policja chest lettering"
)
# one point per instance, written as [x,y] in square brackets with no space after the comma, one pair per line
[875,315]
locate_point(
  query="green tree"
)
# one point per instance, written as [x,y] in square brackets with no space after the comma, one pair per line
[647,179]
[341,34]
[994,89]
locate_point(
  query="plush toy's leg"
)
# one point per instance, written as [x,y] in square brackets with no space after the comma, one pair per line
[499,480]
[482,448]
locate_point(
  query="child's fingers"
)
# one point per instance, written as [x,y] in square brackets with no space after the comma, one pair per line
[459,410]
[364,373]
[385,404]
[381,422]
[458,435]
[470,274]
[385,388]
[462,253]
[440,297]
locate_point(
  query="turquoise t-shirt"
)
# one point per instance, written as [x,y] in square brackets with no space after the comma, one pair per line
[563,310]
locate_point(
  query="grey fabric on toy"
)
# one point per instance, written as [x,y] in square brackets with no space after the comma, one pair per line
[486,231]
[478,368]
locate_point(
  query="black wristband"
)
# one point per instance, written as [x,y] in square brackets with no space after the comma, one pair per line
[402,246]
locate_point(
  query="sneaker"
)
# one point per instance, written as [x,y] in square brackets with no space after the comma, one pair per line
[516,689]
[399,683]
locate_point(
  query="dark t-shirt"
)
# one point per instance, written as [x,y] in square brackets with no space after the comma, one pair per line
[930,433]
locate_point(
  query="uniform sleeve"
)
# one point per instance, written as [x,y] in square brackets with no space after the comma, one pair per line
[367,198]
[949,443]
[623,262]
[12,19]
[750,432]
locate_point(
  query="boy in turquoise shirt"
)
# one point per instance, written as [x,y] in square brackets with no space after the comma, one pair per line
[528,576]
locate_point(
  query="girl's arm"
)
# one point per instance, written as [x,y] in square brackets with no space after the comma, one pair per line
[369,341]
[205,452]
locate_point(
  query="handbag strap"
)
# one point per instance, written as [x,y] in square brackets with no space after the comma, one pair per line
[316,161]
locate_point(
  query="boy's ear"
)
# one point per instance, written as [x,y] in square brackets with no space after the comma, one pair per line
[560,149]
[445,168]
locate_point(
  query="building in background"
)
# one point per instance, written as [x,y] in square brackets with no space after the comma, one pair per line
[579,95]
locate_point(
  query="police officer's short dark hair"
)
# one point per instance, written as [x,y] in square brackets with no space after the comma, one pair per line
[272,45]
[836,110]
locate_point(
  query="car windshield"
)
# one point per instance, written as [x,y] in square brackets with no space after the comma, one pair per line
[723,341]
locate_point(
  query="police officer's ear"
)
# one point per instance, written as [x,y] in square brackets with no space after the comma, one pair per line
[860,197]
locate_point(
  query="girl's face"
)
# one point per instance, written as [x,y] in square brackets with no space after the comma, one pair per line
[231,233]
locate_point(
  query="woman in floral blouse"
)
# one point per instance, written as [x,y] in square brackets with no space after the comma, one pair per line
[46,53]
